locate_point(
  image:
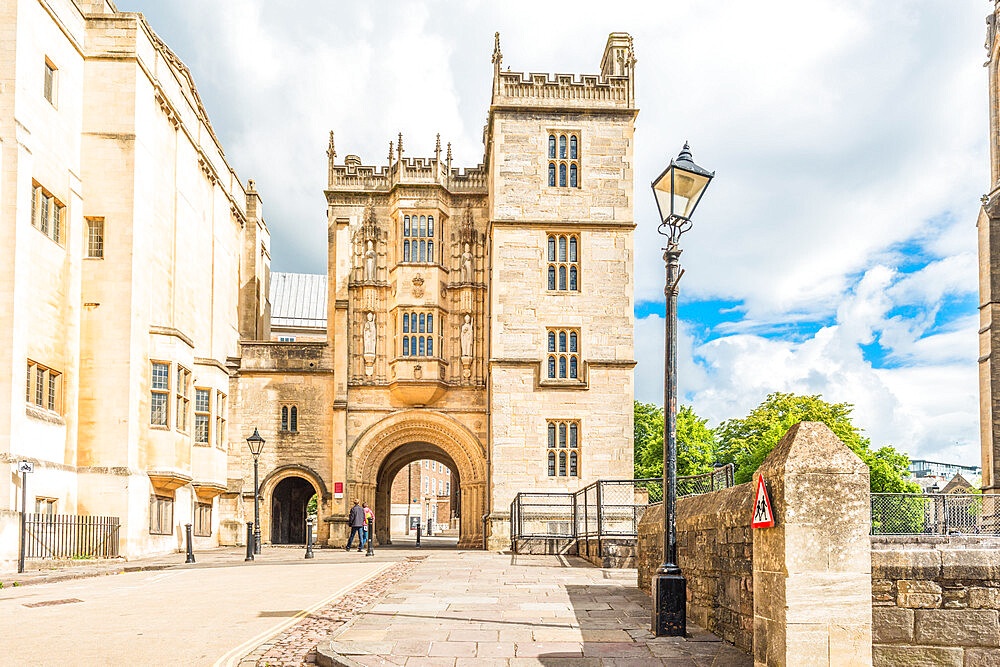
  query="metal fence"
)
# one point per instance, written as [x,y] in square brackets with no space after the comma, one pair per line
[70,536]
[935,514]
[606,508]
[547,515]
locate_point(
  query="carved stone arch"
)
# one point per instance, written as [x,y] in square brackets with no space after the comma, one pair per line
[416,428]
[271,481]
[294,470]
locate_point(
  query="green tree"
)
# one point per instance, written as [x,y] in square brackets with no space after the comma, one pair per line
[746,442]
[696,446]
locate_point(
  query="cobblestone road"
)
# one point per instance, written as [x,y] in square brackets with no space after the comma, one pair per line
[296,645]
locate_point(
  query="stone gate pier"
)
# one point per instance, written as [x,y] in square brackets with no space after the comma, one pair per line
[798,593]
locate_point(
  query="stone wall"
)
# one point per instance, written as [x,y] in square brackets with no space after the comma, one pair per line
[715,552]
[935,601]
[794,593]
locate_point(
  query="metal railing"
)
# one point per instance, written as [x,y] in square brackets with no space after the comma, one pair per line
[606,508]
[935,514]
[70,536]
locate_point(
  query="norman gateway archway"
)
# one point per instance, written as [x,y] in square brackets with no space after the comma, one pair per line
[388,446]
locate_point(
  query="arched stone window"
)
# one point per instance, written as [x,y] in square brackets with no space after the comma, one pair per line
[563,354]
[563,448]
[563,263]
[421,324]
[418,238]
[567,162]
[289,418]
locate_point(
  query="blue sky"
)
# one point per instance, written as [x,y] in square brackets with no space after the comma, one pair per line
[835,252]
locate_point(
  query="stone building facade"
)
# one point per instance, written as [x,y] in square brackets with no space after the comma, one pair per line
[988,226]
[481,318]
[128,249]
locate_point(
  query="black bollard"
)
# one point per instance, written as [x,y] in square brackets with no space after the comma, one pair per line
[309,538]
[371,538]
[418,535]
[190,553]
[249,541]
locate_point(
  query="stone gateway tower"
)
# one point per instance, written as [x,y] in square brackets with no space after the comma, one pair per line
[478,317]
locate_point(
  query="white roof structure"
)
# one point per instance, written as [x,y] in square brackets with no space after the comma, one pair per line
[298,300]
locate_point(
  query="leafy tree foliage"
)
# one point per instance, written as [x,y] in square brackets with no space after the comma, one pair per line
[745,442]
[696,445]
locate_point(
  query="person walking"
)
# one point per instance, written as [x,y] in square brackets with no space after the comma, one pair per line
[356,520]
[369,523]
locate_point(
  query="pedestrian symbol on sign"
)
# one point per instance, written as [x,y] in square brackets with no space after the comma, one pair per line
[763,517]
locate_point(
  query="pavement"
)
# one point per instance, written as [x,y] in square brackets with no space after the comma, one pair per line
[481,608]
[213,612]
[404,606]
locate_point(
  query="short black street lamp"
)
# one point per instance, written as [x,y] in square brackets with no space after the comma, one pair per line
[256,445]
[677,190]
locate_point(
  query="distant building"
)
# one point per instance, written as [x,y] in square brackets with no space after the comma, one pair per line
[922,468]
[423,494]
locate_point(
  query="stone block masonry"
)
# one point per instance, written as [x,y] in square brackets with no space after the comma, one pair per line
[715,552]
[936,600]
[796,593]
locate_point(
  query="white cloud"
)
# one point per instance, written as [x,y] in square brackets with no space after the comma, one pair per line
[844,134]
[927,406]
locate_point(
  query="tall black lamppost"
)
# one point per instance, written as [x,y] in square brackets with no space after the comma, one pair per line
[256,445]
[677,190]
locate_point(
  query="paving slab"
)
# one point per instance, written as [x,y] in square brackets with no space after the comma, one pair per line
[487,608]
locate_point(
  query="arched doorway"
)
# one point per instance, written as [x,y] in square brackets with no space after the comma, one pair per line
[398,461]
[289,500]
[387,446]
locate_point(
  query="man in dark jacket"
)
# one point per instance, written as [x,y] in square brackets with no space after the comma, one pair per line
[356,520]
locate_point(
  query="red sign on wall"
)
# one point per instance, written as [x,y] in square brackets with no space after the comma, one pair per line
[338,489]
[763,517]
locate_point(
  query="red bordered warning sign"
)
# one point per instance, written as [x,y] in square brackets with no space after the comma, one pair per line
[763,517]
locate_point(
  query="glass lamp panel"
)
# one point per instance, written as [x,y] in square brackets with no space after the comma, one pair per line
[678,191]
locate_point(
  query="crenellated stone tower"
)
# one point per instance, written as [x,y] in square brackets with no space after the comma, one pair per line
[480,317]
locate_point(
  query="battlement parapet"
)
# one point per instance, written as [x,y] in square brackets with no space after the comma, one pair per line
[612,89]
[352,176]
[560,90]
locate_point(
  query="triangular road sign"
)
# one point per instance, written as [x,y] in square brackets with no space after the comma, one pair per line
[763,517]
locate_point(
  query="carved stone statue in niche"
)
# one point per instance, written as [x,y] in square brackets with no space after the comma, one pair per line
[368,347]
[467,337]
[370,262]
[370,334]
[467,266]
